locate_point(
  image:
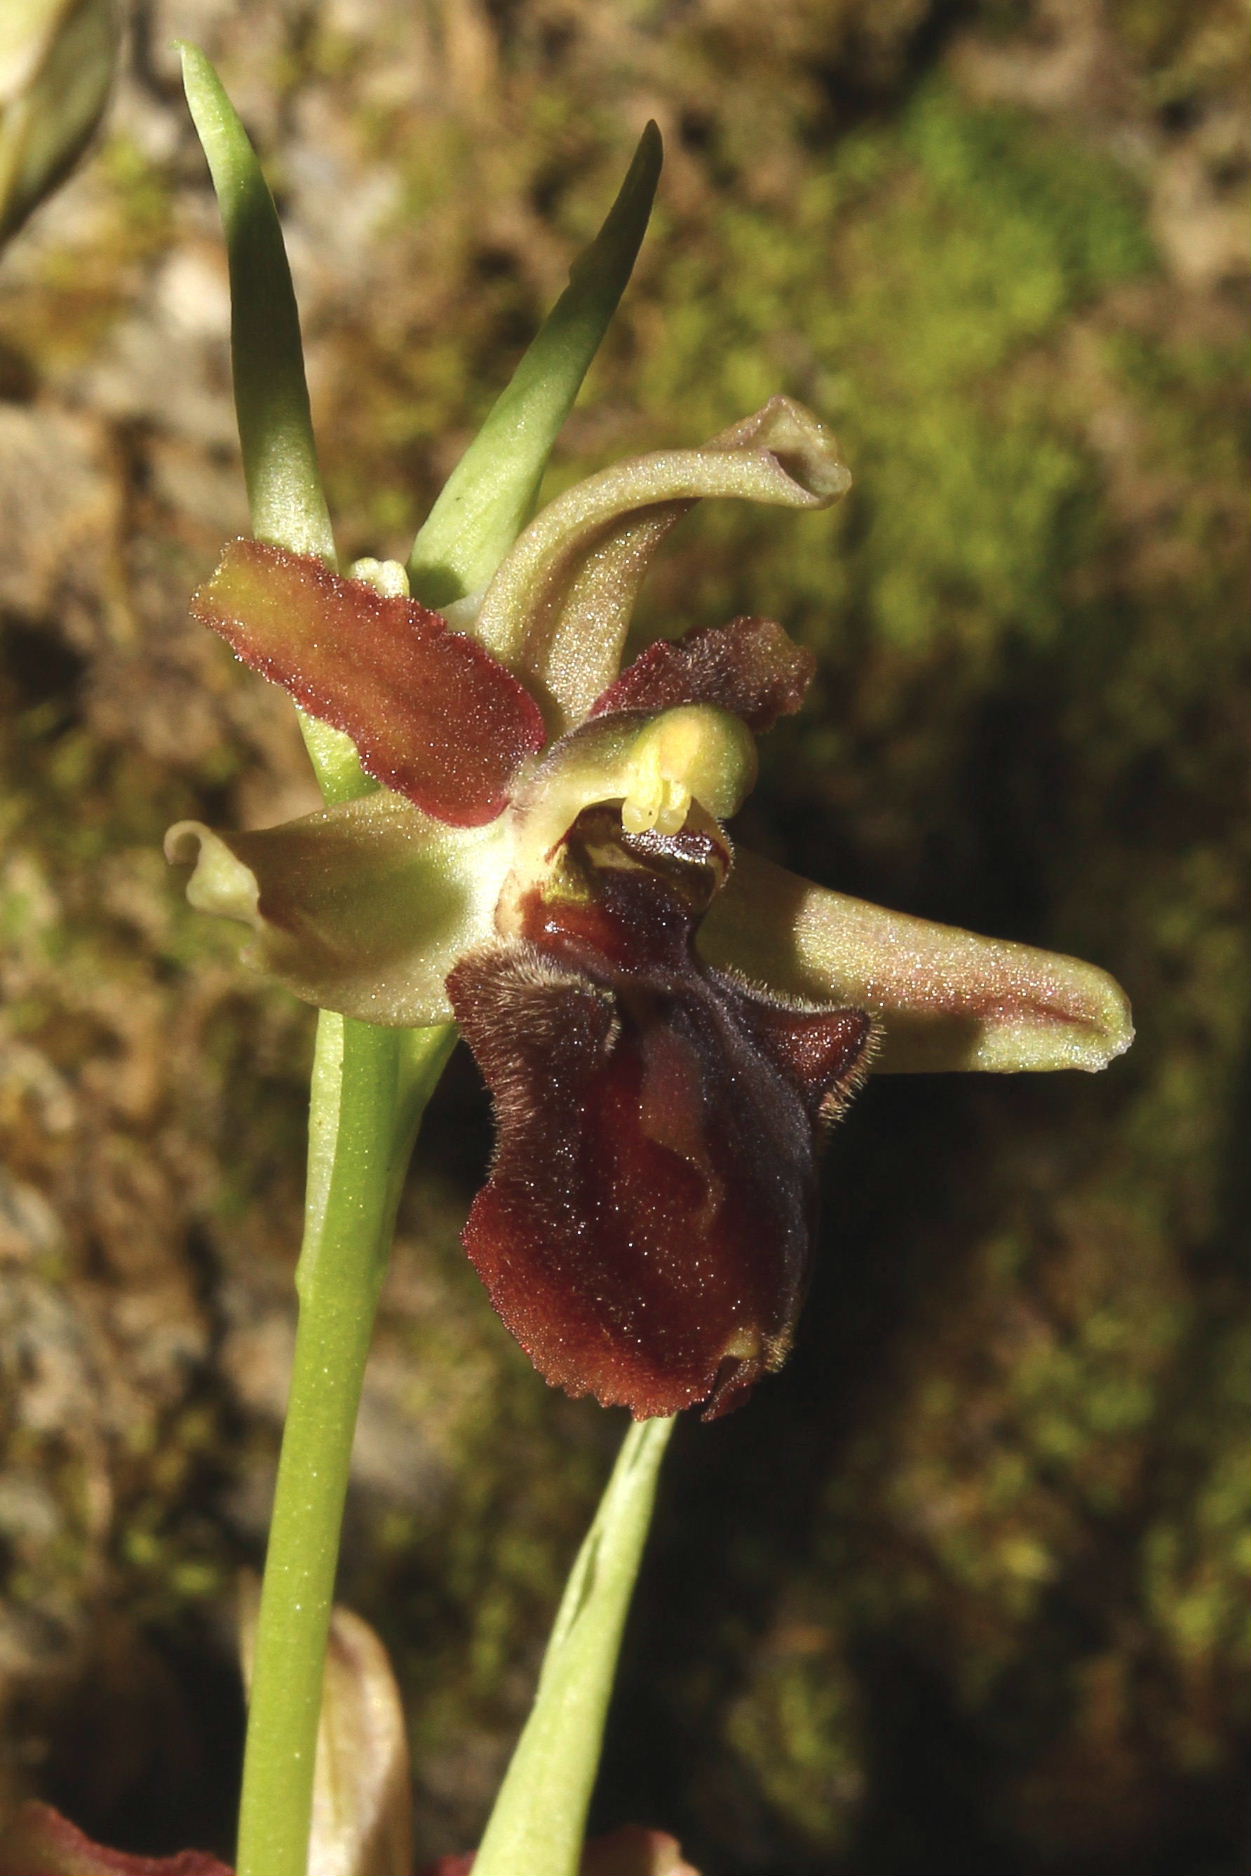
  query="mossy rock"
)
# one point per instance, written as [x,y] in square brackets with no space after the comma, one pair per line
[961,1590]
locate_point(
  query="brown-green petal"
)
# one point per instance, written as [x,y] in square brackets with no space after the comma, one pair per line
[947,999]
[362,908]
[558,610]
[433,715]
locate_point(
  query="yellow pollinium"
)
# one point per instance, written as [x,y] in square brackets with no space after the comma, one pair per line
[693,753]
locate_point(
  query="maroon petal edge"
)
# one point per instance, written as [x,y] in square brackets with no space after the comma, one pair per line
[38,1841]
[749,667]
[645,1230]
[432,713]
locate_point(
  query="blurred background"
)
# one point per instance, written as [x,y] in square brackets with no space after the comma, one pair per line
[964,1589]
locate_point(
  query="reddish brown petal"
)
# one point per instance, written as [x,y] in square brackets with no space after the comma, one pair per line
[40,1842]
[749,667]
[645,1230]
[432,713]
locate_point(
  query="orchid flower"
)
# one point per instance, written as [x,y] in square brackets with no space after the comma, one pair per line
[666,1027]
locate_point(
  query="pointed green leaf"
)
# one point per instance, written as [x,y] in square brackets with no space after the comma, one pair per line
[490,494]
[271,396]
[285,496]
[57,59]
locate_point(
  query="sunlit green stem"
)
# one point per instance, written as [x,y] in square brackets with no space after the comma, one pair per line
[340,1269]
[369,1091]
[369,1087]
[539,1819]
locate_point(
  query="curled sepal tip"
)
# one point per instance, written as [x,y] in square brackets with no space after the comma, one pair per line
[558,610]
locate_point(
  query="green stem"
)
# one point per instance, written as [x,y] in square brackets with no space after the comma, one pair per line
[370,1087]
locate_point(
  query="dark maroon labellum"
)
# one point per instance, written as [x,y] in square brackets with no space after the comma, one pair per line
[645,1231]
